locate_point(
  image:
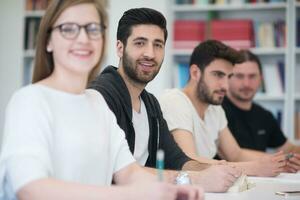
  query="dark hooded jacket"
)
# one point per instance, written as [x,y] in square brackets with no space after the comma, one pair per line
[112,87]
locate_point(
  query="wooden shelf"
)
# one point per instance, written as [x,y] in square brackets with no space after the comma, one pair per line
[266,97]
[258,51]
[30,53]
[35,13]
[230,7]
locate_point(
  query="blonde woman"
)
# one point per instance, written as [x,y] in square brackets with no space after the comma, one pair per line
[61,141]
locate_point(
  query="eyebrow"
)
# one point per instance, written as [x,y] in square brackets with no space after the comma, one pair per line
[217,71]
[146,39]
[140,38]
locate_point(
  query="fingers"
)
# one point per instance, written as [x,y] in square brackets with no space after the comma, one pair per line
[235,171]
[222,162]
[294,166]
[295,160]
[278,157]
[293,163]
[188,192]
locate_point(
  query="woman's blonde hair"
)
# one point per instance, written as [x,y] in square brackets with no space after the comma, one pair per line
[44,64]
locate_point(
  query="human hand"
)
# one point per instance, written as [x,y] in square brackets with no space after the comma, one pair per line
[293,163]
[217,178]
[270,165]
[189,192]
[165,191]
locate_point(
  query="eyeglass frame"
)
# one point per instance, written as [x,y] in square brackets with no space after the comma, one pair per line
[79,27]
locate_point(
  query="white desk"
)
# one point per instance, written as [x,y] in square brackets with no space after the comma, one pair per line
[264,189]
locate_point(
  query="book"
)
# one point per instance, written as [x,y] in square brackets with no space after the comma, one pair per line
[272,80]
[181,75]
[32,26]
[297,125]
[188,33]
[281,71]
[237,33]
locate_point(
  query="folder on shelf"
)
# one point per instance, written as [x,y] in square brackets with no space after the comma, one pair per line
[188,33]
[237,33]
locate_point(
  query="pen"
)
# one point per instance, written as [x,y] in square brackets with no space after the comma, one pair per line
[288,156]
[160,155]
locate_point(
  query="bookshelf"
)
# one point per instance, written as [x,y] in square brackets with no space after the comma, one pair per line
[286,101]
[296,38]
[33,12]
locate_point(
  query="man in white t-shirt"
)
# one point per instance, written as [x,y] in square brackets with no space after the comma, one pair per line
[198,122]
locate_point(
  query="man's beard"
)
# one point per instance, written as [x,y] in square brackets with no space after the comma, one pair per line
[132,72]
[204,94]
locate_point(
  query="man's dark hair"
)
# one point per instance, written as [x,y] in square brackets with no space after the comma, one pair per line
[140,16]
[249,56]
[207,51]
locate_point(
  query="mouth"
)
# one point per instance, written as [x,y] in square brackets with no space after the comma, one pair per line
[147,66]
[246,90]
[221,93]
[81,53]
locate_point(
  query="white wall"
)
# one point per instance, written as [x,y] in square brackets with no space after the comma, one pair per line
[11,31]
[116,10]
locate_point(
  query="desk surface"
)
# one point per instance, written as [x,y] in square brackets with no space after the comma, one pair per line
[264,189]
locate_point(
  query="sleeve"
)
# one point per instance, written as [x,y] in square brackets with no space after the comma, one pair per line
[222,117]
[277,137]
[121,154]
[25,154]
[175,158]
[177,113]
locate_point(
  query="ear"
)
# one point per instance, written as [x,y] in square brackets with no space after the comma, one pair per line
[195,72]
[261,79]
[49,47]
[120,48]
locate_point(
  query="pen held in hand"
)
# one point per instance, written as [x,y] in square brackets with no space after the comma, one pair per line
[160,156]
[289,156]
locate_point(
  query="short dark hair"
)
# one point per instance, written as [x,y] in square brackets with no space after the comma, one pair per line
[209,50]
[249,56]
[139,16]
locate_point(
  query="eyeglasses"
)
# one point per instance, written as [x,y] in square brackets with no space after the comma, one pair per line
[70,31]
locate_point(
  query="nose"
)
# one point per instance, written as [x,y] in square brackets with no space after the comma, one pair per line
[149,51]
[82,35]
[246,81]
[225,83]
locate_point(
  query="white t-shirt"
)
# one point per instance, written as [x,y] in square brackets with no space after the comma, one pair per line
[50,133]
[141,128]
[180,113]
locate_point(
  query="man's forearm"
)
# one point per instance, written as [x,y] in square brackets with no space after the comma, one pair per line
[249,155]
[193,165]
[169,175]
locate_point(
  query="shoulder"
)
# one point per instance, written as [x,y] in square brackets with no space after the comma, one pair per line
[107,80]
[97,99]
[28,95]
[175,103]
[173,95]
[257,109]
[94,95]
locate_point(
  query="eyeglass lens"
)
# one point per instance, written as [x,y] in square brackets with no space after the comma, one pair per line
[71,30]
